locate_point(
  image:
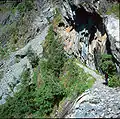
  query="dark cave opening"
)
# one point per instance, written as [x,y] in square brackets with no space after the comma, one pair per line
[86,20]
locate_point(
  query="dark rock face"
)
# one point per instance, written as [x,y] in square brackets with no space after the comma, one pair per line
[91,31]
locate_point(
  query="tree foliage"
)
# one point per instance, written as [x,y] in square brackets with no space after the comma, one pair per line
[107,65]
[54,52]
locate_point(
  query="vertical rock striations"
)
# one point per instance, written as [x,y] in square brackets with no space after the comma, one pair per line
[88,25]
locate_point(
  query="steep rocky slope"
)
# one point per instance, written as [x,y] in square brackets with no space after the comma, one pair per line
[86,30]
[30,34]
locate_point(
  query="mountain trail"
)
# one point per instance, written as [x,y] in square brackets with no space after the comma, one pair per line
[100,101]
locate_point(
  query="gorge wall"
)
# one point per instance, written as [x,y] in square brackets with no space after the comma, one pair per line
[85,32]
[91,33]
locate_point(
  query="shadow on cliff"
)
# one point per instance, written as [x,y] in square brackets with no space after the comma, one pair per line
[86,20]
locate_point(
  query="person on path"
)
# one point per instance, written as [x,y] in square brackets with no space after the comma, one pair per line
[106,78]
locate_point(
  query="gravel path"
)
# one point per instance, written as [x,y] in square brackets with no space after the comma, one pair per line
[98,102]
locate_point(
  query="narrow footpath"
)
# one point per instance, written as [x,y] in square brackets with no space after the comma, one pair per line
[100,101]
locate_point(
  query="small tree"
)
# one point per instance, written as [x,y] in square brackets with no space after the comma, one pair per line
[54,52]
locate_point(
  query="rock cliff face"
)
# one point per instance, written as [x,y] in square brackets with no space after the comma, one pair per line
[88,25]
[91,33]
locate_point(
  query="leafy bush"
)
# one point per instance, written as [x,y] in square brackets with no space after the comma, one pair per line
[21,7]
[54,52]
[49,94]
[26,5]
[29,4]
[114,81]
[107,65]
[3,52]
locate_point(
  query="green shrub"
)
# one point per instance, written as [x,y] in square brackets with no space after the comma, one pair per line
[26,5]
[107,65]
[29,4]
[114,81]
[21,7]
[49,94]
[114,9]
[54,52]
[3,52]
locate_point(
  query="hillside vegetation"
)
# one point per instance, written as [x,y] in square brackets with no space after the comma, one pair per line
[55,77]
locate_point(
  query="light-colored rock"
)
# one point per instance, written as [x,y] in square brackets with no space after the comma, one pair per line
[113,29]
[14,70]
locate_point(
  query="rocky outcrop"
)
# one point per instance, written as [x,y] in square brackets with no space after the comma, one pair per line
[88,34]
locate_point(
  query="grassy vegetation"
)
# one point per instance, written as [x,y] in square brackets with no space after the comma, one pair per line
[26,5]
[10,35]
[114,9]
[14,34]
[74,79]
[114,81]
[3,52]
